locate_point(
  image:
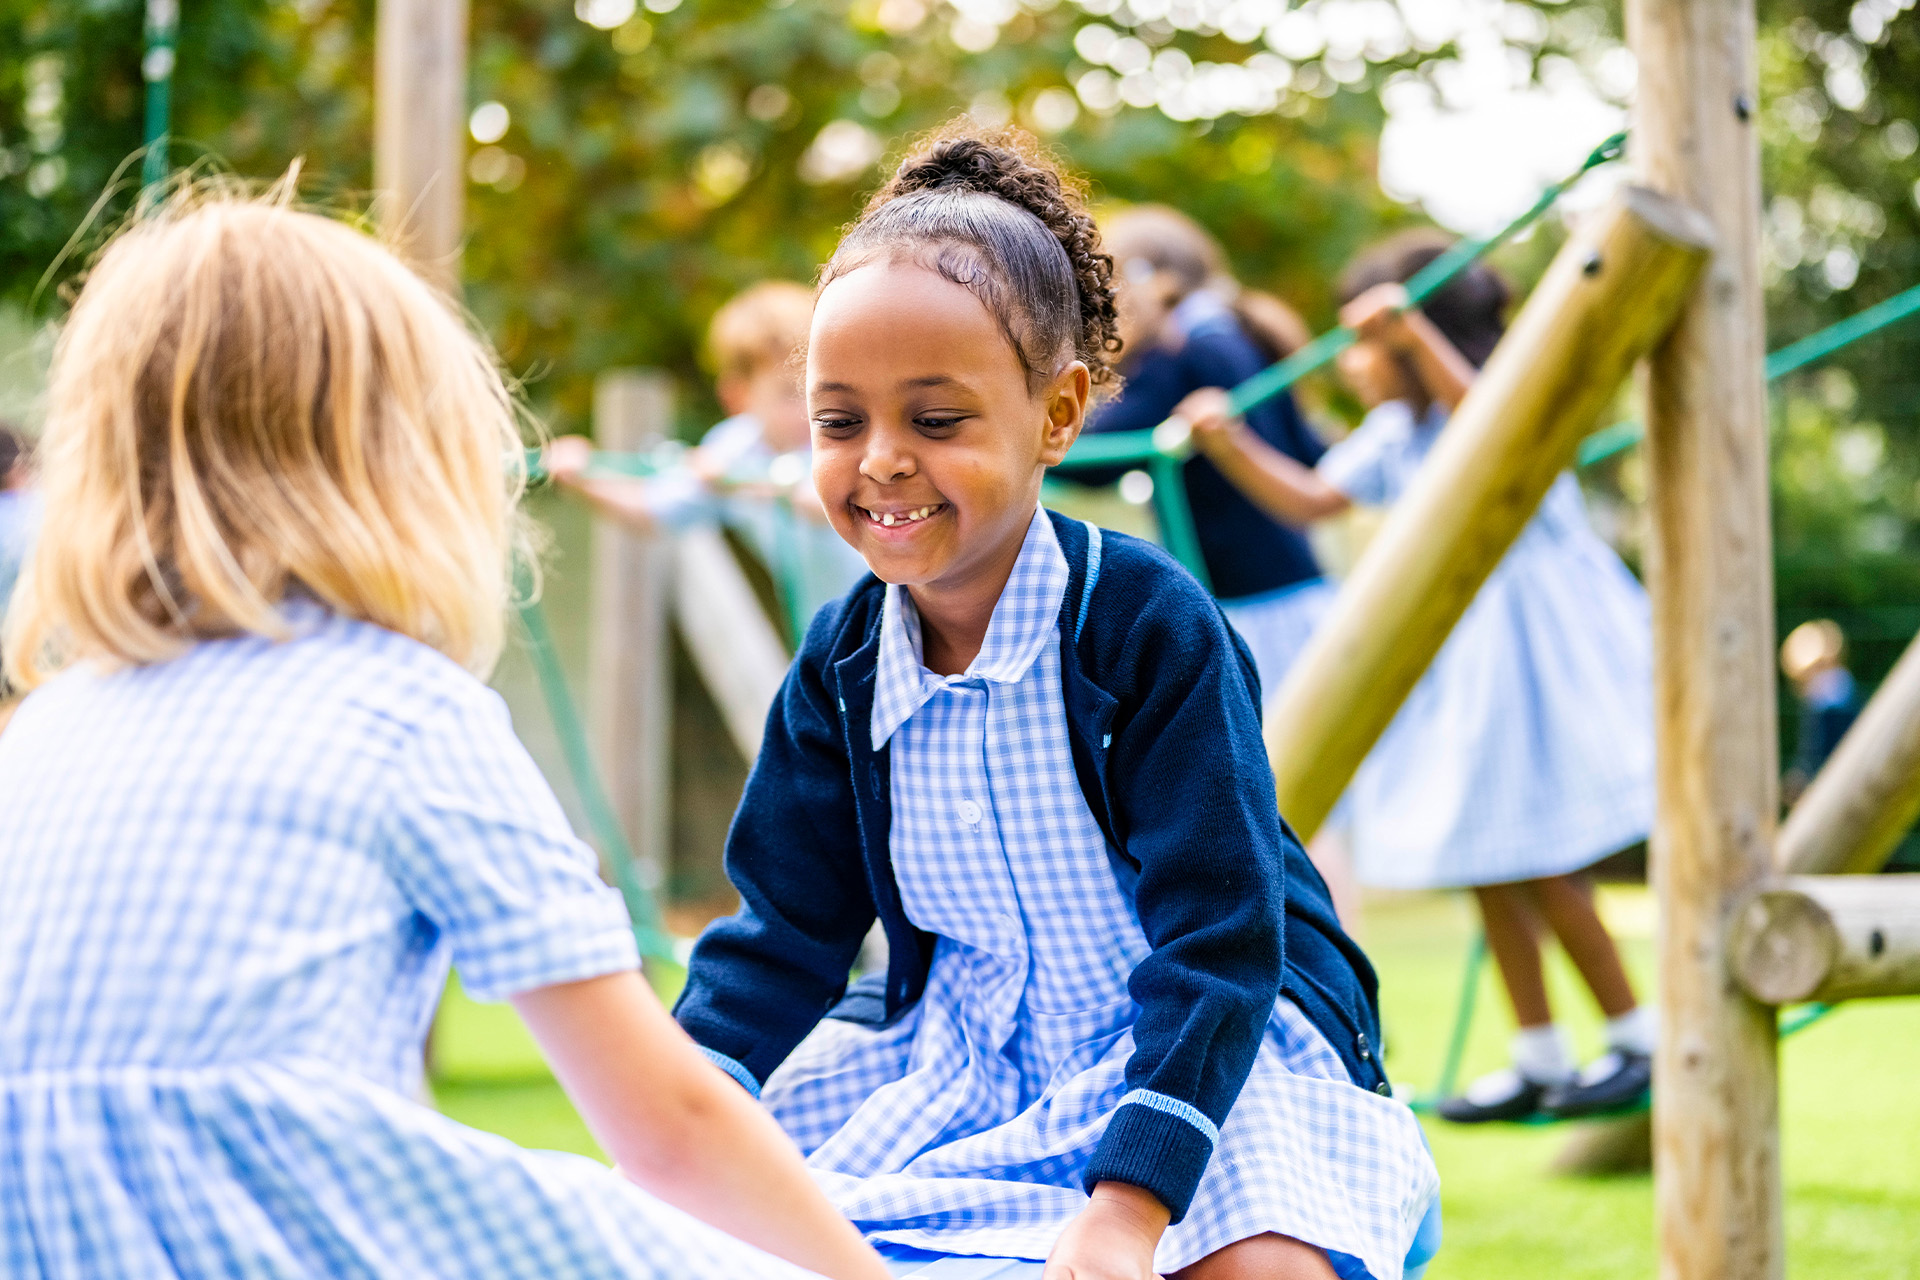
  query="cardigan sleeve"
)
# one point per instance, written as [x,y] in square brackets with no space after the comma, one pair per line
[1193,806]
[762,978]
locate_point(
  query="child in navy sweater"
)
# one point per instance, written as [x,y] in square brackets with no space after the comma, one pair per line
[1120,1029]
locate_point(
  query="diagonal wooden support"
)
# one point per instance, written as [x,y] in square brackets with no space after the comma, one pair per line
[1868,794]
[1608,297]
[1828,938]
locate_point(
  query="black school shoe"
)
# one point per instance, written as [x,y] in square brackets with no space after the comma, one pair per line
[1618,1080]
[1504,1095]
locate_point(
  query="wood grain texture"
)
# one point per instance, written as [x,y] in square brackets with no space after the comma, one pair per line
[1608,296]
[420,130]
[1867,795]
[1716,1122]
[739,654]
[1828,938]
[629,671]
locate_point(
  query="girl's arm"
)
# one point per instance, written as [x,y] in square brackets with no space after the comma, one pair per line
[1384,314]
[622,499]
[1277,484]
[681,1129]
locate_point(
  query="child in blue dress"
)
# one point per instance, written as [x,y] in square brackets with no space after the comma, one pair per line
[1525,754]
[257,798]
[1119,1028]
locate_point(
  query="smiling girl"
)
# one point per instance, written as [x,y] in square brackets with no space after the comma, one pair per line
[1120,1028]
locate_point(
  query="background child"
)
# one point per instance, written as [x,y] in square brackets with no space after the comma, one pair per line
[734,476]
[1525,754]
[254,802]
[1813,658]
[1187,324]
[1032,750]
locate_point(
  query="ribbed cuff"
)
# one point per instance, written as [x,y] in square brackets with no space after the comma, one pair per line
[742,1076]
[1158,1144]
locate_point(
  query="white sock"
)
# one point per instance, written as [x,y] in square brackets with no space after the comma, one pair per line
[1635,1031]
[1543,1054]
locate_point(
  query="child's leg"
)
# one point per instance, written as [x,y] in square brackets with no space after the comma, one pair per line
[1267,1257]
[1513,935]
[1568,905]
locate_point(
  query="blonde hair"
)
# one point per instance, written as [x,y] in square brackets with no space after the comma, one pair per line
[760,326]
[249,400]
[1812,646]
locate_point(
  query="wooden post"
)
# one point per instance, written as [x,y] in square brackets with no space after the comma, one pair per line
[630,675]
[1606,299]
[1716,1099]
[739,654]
[1868,794]
[420,125]
[1828,938]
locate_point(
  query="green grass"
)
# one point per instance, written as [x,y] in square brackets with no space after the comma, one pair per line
[1850,1117]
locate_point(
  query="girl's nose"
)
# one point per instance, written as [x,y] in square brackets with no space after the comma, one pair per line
[886,459]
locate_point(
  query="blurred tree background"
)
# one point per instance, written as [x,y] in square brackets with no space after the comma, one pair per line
[633,162]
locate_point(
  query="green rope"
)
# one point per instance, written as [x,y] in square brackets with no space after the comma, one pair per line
[648,929]
[1122,447]
[156,68]
[1607,441]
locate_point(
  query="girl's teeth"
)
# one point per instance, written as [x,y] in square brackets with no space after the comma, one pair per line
[887,519]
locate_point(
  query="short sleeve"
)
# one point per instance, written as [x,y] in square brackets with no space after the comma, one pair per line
[480,845]
[1360,465]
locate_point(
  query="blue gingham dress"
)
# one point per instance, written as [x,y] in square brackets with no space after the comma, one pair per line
[964,1127]
[230,884]
[1527,748]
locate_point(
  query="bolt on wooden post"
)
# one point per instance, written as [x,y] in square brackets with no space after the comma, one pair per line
[1716,1120]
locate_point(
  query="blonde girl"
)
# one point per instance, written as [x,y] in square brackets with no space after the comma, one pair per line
[257,799]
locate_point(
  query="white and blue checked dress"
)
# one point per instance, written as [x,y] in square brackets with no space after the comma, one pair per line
[230,884]
[965,1126]
[1527,748]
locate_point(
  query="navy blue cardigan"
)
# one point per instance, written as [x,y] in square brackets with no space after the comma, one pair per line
[1162,710]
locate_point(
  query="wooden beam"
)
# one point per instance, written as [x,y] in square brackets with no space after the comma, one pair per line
[1606,299]
[420,128]
[629,664]
[1710,572]
[1867,795]
[739,655]
[1828,938]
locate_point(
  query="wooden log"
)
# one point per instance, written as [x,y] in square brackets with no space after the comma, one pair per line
[629,665]
[420,127]
[739,655]
[1828,938]
[1867,795]
[1606,299]
[1710,571]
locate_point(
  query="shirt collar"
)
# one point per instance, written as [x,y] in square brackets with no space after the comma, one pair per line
[1023,621]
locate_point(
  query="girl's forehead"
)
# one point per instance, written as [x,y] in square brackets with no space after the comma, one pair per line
[893,313]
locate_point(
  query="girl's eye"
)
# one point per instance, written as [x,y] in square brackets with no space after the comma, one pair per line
[836,424]
[934,425]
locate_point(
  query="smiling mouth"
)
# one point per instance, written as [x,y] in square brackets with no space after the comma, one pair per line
[895,519]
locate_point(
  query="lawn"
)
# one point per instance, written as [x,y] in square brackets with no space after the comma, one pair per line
[1850,1118]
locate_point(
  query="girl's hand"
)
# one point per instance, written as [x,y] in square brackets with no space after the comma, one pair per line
[1379,315]
[1113,1238]
[567,459]
[1207,412]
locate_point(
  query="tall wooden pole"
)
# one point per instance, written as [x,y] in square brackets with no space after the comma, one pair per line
[629,662]
[1716,1103]
[419,119]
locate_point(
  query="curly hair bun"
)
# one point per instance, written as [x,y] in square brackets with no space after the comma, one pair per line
[1000,201]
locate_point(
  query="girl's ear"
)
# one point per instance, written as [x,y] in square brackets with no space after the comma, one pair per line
[1066,405]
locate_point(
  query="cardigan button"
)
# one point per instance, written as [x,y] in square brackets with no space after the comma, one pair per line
[1366,1050]
[1383,1089]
